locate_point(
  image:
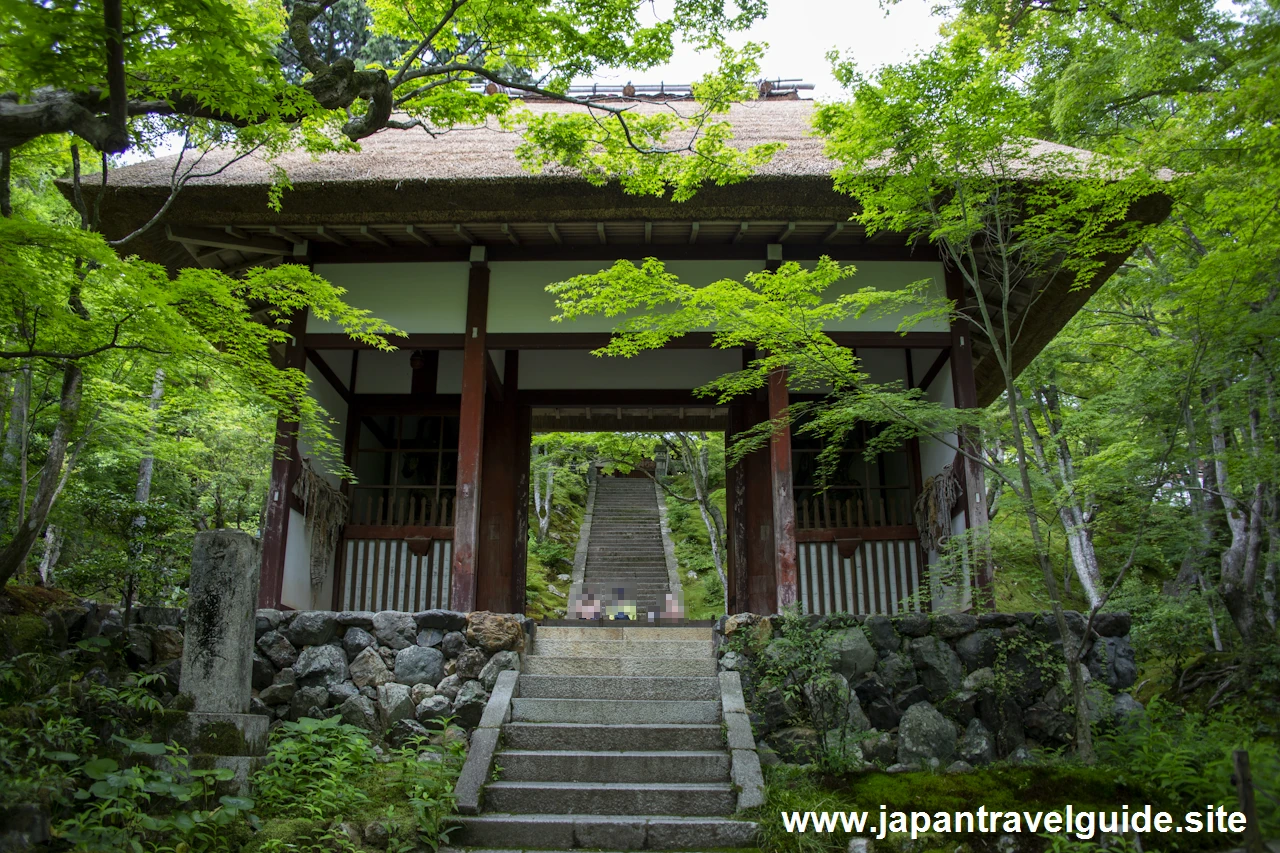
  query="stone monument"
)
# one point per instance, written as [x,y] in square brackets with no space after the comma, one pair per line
[217,658]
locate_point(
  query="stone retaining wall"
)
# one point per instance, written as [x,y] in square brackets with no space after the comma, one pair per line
[918,691]
[391,673]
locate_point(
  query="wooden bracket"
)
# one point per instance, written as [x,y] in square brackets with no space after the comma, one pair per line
[419,545]
[847,547]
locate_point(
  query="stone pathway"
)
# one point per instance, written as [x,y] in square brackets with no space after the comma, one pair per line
[615,743]
[624,548]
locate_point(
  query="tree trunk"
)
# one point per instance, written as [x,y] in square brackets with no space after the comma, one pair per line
[1233,583]
[696,460]
[49,560]
[14,554]
[542,488]
[1079,536]
[142,495]
[14,446]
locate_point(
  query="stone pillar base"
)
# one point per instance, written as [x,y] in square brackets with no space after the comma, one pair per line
[234,741]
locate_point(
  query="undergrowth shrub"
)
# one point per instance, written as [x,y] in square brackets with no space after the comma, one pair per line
[76,743]
[1183,759]
[797,664]
[322,774]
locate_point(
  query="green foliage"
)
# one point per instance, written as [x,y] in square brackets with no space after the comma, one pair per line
[782,312]
[126,806]
[360,68]
[321,773]
[79,746]
[312,768]
[1183,758]
[796,664]
[790,788]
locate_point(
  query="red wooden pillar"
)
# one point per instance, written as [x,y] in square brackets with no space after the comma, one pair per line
[466,532]
[523,437]
[761,585]
[284,472]
[965,390]
[495,562]
[784,508]
[735,481]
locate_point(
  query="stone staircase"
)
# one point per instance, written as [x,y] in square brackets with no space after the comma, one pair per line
[615,742]
[624,548]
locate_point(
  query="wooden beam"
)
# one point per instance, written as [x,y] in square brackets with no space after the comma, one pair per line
[600,232]
[332,236]
[338,340]
[742,232]
[761,580]
[614,251]
[736,517]
[470,443]
[327,372]
[935,368]
[284,471]
[648,232]
[522,417]
[595,340]
[832,232]
[427,374]
[611,397]
[693,233]
[223,240]
[285,234]
[238,233]
[555,233]
[418,234]
[784,507]
[493,383]
[786,232]
[464,234]
[375,236]
[506,229]
[891,340]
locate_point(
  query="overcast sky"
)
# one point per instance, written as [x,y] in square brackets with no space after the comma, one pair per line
[799,34]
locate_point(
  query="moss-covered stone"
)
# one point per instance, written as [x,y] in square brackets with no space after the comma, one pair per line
[166,724]
[24,633]
[219,737]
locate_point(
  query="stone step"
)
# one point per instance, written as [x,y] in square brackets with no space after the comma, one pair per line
[500,832]
[629,577]
[687,799]
[624,569]
[613,766]
[543,736]
[627,647]
[618,632]
[633,586]
[617,687]
[614,711]
[538,664]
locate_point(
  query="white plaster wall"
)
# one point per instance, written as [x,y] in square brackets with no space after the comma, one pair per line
[426,298]
[934,454]
[656,369]
[432,297]
[519,302]
[296,591]
[384,372]
[449,374]
[336,407]
[886,275]
[883,366]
